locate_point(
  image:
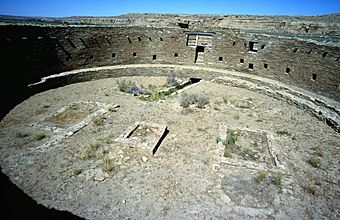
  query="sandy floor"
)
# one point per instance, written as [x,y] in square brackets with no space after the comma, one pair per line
[187,177]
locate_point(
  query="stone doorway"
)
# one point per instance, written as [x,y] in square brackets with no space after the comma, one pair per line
[199,57]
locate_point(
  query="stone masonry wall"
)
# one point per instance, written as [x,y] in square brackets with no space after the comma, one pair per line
[30,53]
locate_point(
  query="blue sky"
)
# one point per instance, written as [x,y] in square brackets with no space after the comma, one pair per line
[60,8]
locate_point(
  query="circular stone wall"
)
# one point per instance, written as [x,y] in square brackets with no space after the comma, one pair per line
[258,137]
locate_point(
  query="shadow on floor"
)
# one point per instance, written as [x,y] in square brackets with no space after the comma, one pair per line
[15,204]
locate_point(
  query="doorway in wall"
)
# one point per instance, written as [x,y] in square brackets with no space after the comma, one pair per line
[199,57]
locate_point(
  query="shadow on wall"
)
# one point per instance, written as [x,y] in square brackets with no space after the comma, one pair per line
[29,53]
[17,205]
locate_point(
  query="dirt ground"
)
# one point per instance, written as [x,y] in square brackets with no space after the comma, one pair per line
[286,165]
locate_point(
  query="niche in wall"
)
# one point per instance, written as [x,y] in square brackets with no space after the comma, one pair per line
[324,54]
[314,76]
[287,70]
[183,25]
[251,66]
[253,46]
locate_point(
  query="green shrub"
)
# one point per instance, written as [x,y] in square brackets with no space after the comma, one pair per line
[314,161]
[277,179]
[261,176]
[39,135]
[124,85]
[225,99]
[21,134]
[97,120]
[311,189]
[89,151]
[106,164]
[231,137]
[246,104]
[227,152]
[228,143]
[283,132]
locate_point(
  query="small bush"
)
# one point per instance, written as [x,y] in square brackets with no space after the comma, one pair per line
[172,81]
[236,117]
[227,152]
[283,132]
[107,164]
[39,135]
[184,100]
[107,139]
[225,99]
[188,99]
[311,189]
[227,143]
[318,152]
[97,120]
[231,137]
[277,179]
[124,85]
[314,162]
[242,104]
[202,101]
[135,90]
[21,134]
[89,151]
[131,87]
[261,177]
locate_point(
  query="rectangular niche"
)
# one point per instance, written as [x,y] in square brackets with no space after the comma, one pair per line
[220,59]
[253,46]
[134,54]
[251,66]
[153,57]
[113,55]
[265,66]
[241,60]
[175,54]
[287,70]
[314,75]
